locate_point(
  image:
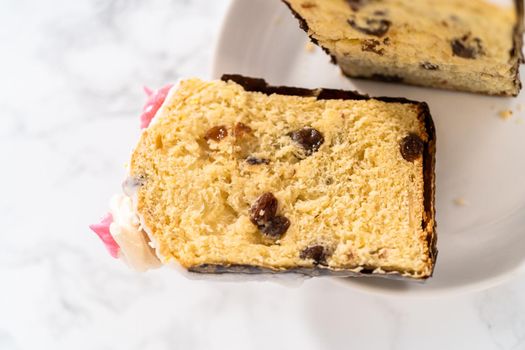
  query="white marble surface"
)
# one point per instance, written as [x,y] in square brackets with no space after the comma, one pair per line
[71,76]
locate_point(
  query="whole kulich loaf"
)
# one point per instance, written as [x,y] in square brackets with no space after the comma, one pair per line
[236,176]
[462,45]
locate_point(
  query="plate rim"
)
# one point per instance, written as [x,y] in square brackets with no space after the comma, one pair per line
[354,283]
[220,39]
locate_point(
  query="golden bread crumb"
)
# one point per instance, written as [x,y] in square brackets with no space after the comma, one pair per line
[309,47]
[505,114]
[461,202]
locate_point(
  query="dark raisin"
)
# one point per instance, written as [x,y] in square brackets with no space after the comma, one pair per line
[316,253]
[355,5]
[429,66]
[386,41]
[216,133]
[387,78]
[276,227]
[257,161]
[263,215]
[264,209]
[241,129]
[309,138]
[467,47]
[412,147]
[308,5]
[371,26]
[371,45]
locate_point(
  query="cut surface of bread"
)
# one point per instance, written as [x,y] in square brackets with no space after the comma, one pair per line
[469,45]
[239,176]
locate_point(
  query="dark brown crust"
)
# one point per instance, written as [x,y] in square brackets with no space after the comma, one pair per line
[429,181]
[390,79]
[318,271]
[428,224]
[516,53]
[304,26]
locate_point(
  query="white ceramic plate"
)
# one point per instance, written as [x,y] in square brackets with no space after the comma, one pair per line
[480,158]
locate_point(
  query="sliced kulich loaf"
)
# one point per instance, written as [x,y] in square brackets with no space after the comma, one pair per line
[463,45]
[238,176]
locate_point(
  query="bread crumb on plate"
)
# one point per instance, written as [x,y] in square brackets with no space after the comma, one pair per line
[309,47]
[460,202]
[505,114]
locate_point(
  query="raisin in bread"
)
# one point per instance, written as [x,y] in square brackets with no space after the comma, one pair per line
[454,44]
[238,176]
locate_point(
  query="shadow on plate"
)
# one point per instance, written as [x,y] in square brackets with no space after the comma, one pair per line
[393,286]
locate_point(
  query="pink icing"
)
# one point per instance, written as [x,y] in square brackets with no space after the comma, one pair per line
[102,230]
[155,100]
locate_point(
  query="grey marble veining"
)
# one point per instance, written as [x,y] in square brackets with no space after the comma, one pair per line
[71,92]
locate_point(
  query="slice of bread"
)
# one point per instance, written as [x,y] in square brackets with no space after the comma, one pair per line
[238,176]
[463,45]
